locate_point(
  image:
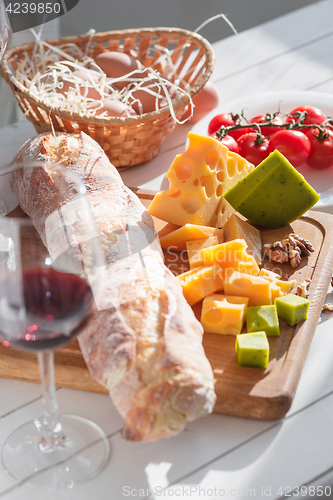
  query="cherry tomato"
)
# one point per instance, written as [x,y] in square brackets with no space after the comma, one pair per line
[238,132]
[321,154]
[265,131]
[228,141]
[254,153]
[294,145]
[227,120]
[224,119]
[315,116]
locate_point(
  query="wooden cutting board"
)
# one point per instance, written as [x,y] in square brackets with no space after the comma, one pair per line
[264,394]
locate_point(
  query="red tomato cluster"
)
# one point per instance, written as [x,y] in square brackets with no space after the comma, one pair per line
[305,135]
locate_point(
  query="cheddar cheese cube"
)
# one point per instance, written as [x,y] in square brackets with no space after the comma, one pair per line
[237,228]
[256,288]
[198,178]
[270,274]
[252,349]
[263,318]
[229,255]
[276,290]
[176,240]
[242,267]
[194,250]
[200,282]
[223,314]
[279,287]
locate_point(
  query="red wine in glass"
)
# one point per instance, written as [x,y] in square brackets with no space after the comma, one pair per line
[57,305]
[54,262]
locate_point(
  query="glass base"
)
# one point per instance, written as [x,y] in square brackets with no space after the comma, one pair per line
[79,458]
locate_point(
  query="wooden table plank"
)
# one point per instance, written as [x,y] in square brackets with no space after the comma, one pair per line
[290,454]
[223,452]
[325,86]
[254,47]
[96,407]
[130,462]
[15,394]
[312,66]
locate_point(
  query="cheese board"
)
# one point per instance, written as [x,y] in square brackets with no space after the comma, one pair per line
[264,394]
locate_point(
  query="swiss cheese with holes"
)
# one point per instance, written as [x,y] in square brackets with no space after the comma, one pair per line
[198,178]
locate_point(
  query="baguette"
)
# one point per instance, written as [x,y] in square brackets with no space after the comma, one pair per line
[144,344]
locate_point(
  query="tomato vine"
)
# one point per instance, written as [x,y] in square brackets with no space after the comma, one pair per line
[296,123]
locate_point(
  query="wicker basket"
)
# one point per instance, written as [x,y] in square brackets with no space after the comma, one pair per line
[126,141]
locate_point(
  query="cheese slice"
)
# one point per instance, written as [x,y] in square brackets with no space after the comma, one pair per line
[194,250]
[230,255]
[274,194]
[176,240]
[198,179]
[237,228]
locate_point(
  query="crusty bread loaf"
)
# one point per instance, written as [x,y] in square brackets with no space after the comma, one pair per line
[144,344]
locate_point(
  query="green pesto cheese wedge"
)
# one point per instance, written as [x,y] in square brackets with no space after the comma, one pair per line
[292,308]
[252,349]
[263,318]
[273,194]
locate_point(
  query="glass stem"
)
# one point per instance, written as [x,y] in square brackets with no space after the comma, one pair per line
[51,428]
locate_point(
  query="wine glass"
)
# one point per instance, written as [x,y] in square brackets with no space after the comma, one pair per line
[46,298]
[4,30]
[4,38]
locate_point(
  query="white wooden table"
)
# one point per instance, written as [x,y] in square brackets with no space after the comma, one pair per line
[218,456]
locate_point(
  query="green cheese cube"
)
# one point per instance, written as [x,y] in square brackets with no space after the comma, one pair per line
[292,308]
[252,349]
[273,194]
[263,318]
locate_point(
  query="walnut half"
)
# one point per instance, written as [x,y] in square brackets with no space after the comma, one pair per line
[303,289]
[291,249]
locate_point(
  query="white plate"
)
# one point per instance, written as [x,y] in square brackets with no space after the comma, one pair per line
[286,101]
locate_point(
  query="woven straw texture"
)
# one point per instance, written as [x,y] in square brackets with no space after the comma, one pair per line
[126,141]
